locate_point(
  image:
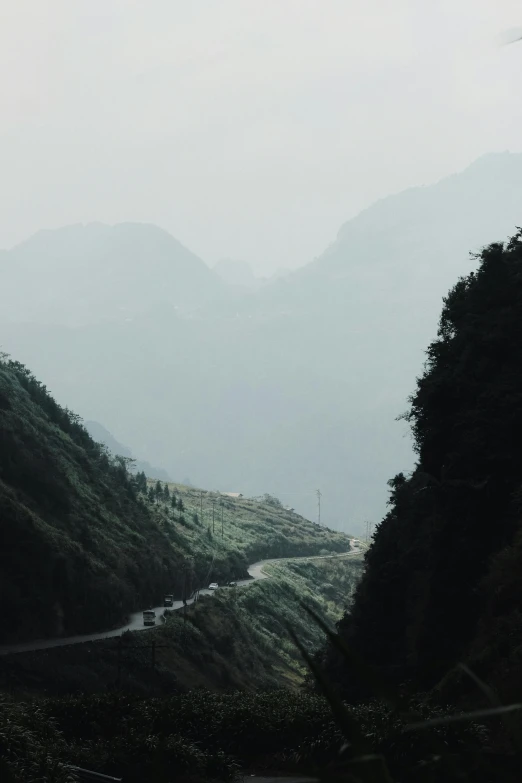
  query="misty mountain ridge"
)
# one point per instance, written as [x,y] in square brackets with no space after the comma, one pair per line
[480,194]
[81,274]
[101,435]
[295,385]
[407,247]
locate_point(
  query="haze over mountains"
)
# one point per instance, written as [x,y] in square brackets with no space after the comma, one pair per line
[283,388]
[240,274]
[235,272]
[84,274]
[101,435]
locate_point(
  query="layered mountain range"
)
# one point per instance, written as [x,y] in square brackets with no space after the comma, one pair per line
[284,387]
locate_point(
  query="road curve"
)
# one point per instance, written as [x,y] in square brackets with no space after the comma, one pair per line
[136,619]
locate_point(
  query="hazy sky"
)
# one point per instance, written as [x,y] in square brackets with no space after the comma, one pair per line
[247,128]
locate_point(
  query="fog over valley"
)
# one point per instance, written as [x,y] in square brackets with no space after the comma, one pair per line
[286,384]
[261,391]
[227,232]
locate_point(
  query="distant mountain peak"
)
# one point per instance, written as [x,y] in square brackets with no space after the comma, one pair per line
[92,272]
[468,207]
[98,230]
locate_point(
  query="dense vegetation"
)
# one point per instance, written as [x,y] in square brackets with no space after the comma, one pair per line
[443,579]
[237,638]
[85,540]
[233,532]
[79,549]
[442,584]
[203,735]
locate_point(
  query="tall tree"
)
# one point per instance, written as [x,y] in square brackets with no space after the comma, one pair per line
[141,480]
[421,599]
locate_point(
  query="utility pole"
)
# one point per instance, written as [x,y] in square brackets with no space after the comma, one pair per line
[222,520]
[213,507]
[118,680]
[319,495]
[185,608]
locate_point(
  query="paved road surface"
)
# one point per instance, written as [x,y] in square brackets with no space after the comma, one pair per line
[136,620]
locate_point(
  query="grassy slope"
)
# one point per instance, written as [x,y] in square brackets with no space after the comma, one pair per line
[235,639]
[252,530]
[81,547]
[246,630]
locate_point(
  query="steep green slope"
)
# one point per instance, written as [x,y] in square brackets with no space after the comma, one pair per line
[78,548]
[236,638]
[230,533]
[83,543]
[442,581]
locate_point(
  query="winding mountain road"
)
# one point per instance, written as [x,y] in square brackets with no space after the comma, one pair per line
[136,619]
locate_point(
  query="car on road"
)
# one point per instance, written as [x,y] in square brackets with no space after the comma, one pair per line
[168,600]
[149,617]
[232,584]
[213,586]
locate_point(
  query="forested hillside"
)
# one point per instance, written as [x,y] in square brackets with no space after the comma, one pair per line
[79,549]
[443,576]
[235,638]
[241,529]
[84,541]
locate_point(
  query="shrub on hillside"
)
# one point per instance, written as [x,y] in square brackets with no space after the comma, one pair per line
[31,747]
[213,735]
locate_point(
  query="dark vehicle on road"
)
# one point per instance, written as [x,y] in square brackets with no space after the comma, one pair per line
[168,600]
[149,617]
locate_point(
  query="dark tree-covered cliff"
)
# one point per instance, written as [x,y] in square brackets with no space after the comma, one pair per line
[443,578]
